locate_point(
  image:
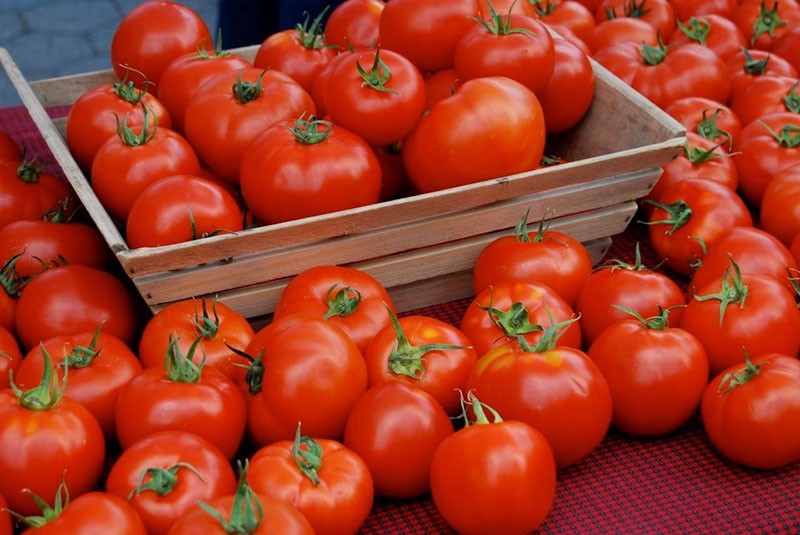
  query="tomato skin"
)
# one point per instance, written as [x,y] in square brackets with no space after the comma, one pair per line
[688,8]
[742,71]
[66,439]
[72,298]
[208,474]
[570,91]
[656,376]
[8,148]
[749,423]
[787,45]
[766,95]
[569,14]
[154,33]
[658,13]
[717,32]
[496,495]
[492,108]
[620,30]
[10,356]
[440,85]
[396,427]
[560,392]
[703,115]
[286,52]
[296,347]
[28,194]
[337,505]
[354,23]
[749,12]
[93,512]
[780,204]
[6,525]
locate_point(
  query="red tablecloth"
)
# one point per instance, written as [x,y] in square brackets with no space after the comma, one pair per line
[672,484]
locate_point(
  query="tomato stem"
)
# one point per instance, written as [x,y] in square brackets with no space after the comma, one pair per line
[696,29]
[206,326]
[740,377]
[767,22]
[501,25]
[181,368]
[707,127]
[479,408]
[733,290]
[162,481]
[312,37]
[83,356]
[343,303]
[247,513]
[47,394]
[246,92]
[678,214]
[377,76]
[127,135]
[49,513]
[307,455]
[308,132]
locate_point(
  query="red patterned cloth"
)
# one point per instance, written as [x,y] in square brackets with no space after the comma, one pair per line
[672,484]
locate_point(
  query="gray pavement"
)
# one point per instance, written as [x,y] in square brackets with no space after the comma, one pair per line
[49,38]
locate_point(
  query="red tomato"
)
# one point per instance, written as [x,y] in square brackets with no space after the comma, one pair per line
[99,366]
[6,525]
[743,310]
[395,427]
[426,352]
[750,64]
[10,356]
[656,373]
[182,395]
[354,23]
[164,474]
[327,482]
[685,9]
[621,30]
[27,192]
[299,52]
[216,324]
[747,410]
[307,168]
[11,286]
[794,247]
[657,13]
[71,298]
[767,146]
[496,494]
[711,119]
[633,286]
[319,85]
[713,31]
[91,512]
[349,298]
[9,150]
[570,91]
[393,175]
[490,127]
[787,46]
[690,215]
[426,32]
[762,22]
[516,46]
[307,370]
[766,95]
[440,85]
[574,16]
[780,204]
[46,440]
[154,33]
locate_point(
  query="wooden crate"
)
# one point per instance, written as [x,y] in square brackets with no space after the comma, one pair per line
[422,247]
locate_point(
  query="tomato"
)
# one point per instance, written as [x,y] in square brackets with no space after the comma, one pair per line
[304,168]
[395,427]
[503,7]
[766,95]
[307,370]
[575,16]
[549,257]
[787,46]
[658,13]
[656,373]
[490,127]
[570,91]
[9,150]
[516,46]
[794,247]
[99,366]
[11,285]
[299,52]
[711,119]
[184,75]
[753,250]
[690,215]
[164,474]
[747,311]
[634,286]
[426,32]
[762,21]
[621,30]
[181,208]
[326,481]
[393,175]
[716,32]
[349,298]
[184,395]
[92,119]
[554,388]
[767,146]
[228,112]
[217,325]
[685,9]
[780,204]
[46,440]
[28,192]
[747,410]
[440,85]
[750,64]
[664,74]
[511,481]
[71,298]
[130,161]
[6,525]
[151,35]
[354,23]
[426,352]
[10,356]
[319,85]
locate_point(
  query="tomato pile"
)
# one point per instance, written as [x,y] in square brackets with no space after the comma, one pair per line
[132,422]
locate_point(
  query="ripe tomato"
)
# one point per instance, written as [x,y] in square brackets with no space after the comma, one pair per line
[656,373]
[426,352]
[766,95]
[376,94]
[396,427]
[300,52]
[349,298]
[747,410]
[46,440]
[490,127]
[714,31]
[691,215]
[9,150]
[780,204]
[516,46]
[621,30]
[164,474]
[151,35]
[71,298]
[307,370]
[354,23]
[11,286]
[570,91]
[90,512]
[493,495]
[711,119]
[99,366]
[574,16]
[787,46]
[6,526]
[28,192]
[657,13]
[440,85]
[685,9]
[326,481]
[304,168]
[91,122]
[750,64]
[632,286]
[762,22]
[426,32]
[10,356]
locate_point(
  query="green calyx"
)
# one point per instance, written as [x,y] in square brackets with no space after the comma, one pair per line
[10,281]
[732,291]
[245,92]
[659,322]
[149,127]
[699,155]
[752,66]
[792,99]
[207,326]
[707,127]
[311,131]
[696,29]
[767,21]
[307,455]
[617,263]
[202,49]
[29,169]
[377,76]
[342,302]
[788,136]
[514,322]
[181,368]
[501,25]
[549,339]
[733,380]
[312,37]
[60,502]
[678,214]
[247,513]
[162,481]
[125,89]
[479,409]
[654,55]
[83,356]
[48,393]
